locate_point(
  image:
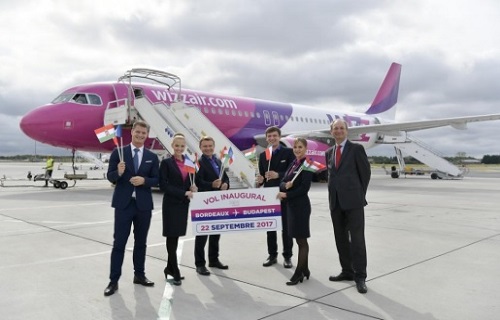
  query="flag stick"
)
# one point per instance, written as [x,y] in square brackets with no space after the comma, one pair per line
[300,170]
[221,173]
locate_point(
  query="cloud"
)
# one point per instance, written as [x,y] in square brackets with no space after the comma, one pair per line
[326,53]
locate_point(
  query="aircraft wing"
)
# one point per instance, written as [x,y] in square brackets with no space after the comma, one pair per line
[396,127]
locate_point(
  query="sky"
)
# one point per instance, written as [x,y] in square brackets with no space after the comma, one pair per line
[328,53]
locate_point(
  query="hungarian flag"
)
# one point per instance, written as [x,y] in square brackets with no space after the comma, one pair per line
[269,153]
[250,153]
[189,165]
[222,154]
[105,133]
[313,166]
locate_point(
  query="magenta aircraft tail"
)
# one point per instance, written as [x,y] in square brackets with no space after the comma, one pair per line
[387,95]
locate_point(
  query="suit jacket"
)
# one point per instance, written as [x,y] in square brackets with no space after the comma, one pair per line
[349,182]
[148,169]
[172,183]
[280,161]
[206,175]
[175,204]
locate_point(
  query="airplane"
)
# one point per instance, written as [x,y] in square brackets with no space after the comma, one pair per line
[70,119]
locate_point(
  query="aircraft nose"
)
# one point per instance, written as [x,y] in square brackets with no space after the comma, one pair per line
[34,124]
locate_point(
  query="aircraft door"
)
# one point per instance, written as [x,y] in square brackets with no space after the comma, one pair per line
[276,119]
[267,118]
[123,94]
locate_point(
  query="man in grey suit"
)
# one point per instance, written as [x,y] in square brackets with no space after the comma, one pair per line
[348,177]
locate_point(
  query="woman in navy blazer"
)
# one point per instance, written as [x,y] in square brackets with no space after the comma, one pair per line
[294,193]
[178,186]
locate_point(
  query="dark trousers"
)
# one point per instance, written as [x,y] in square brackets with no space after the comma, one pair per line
[349,229]
[272,237]
[199,249]
[48,175]
[123,221]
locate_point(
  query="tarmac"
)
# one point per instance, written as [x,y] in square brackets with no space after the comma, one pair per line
[433,253]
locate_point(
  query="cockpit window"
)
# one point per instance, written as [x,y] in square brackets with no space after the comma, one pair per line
[94,99]
[65,97]
[81,98]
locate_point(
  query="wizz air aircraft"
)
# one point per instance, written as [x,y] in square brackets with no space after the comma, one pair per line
[70,119]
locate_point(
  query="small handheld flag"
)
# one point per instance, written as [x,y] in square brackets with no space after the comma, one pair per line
[223,152]
[250,153]
[189,165]
[105,133]
[230,155]
[313,166]
[269,153]
[196,162]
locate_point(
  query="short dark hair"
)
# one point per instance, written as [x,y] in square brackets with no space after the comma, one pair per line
[273,129]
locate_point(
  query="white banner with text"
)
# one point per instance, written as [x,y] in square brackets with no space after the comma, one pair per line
[224,211]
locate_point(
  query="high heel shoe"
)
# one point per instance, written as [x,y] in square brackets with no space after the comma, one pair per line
[167,272]
[177,280]
[295,279]
[307,274]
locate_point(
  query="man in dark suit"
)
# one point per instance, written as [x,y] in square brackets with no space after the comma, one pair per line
[348,177]
[133,175]
[207,179]
[270,175]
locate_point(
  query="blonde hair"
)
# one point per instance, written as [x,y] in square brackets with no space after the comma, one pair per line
[300,140]
[206,138]
[178,136]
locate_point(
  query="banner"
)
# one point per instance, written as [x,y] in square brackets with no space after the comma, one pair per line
[238,210]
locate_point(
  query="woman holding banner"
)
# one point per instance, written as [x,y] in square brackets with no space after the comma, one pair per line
[177,183]
[294,190]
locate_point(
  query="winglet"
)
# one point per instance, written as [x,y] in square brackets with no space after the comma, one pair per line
[387,95]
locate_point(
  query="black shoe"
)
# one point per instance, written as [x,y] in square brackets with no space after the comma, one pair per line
[218,264]
[295,279]
[203,271]
[270,261]
[341,277]
[176,281]
[167,272]
[144,281]
[287,263]
[307,274]
[361,286]
[110,289]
